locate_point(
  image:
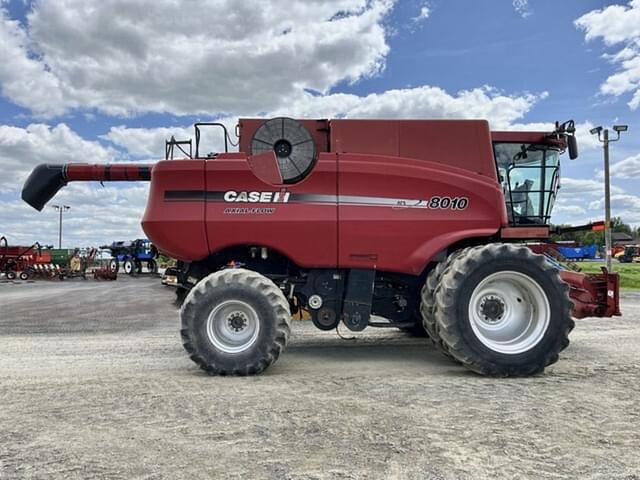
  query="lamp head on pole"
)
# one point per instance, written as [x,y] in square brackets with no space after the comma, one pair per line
[61,207]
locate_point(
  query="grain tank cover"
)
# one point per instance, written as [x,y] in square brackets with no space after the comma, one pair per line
[459,143]
[292,143]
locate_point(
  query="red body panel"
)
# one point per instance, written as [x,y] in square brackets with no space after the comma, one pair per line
[265,167]
[306,232]
[337,216]
[404,237]
[175,226]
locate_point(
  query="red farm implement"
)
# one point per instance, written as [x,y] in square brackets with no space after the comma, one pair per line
[21,261]
[36,262]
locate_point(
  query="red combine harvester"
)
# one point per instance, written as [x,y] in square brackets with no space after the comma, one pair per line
[417,221]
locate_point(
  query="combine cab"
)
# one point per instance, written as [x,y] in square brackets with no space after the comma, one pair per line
[417,221]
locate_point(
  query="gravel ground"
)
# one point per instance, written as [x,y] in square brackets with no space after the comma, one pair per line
[94,384]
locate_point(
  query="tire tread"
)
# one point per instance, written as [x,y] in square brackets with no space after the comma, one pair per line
[268,290]
[447,323]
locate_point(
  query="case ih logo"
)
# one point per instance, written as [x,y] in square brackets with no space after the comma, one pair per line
[256,197]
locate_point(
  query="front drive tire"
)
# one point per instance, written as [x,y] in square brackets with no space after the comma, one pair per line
[502,310]
[235,322]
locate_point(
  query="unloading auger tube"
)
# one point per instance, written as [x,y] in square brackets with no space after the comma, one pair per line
[46,179]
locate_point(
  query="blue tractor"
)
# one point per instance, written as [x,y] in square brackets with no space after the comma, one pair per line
[133,256]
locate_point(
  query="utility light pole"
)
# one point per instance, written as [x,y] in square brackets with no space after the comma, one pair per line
[60,208]
[603,136]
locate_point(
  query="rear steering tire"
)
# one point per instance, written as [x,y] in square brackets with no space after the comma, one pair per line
[235,322]
[502,310]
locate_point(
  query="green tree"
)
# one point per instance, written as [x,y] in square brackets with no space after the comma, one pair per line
[593,238]
[617,225]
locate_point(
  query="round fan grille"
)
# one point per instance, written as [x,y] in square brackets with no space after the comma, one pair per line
[292,143]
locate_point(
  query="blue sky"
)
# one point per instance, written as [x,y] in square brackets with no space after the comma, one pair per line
[82,78]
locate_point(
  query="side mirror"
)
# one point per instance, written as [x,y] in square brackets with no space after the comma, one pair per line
[572,146]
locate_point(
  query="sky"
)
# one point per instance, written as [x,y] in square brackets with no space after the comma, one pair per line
[109,81]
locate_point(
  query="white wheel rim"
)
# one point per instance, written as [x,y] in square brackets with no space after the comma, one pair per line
[233,326]
[509,312]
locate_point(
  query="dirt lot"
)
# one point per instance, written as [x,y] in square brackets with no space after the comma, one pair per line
[94,384]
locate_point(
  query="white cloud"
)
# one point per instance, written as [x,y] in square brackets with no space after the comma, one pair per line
[159,56]
[97,216]
[620,200]
[627,168]
[586,141]
[149,143]
[582,200]
[423,13]
[569,210]
[23,77]
[576,188]
[23,148]
[420,102]
[522,8]
[615,25]
[146,142]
